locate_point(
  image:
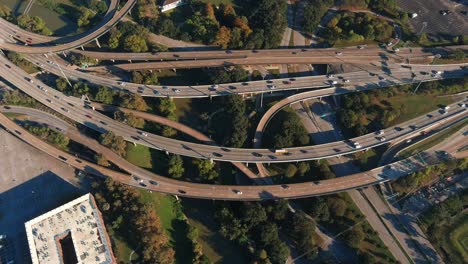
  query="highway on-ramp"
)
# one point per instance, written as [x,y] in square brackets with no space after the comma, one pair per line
[68,43]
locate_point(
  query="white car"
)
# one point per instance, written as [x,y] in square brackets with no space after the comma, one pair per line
[380,132]
[382,139]
[237,192]
[333,82]
[270,86]
[339,53]
[357,145]
[329,76]
[346,80]
[214,86]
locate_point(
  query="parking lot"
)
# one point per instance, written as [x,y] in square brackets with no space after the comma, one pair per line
[435,24]
[29,186]
[434,194]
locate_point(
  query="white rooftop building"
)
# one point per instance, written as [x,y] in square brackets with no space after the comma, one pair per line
[170,4]
[71,233]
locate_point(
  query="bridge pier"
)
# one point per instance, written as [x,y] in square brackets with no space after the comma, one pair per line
[64,54]
[130,61]
[97,43]
[82,48]
[112,60]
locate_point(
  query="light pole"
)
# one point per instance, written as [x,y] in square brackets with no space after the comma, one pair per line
[437,56]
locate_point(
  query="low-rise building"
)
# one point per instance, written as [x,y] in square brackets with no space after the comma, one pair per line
[170,4]
[71,233]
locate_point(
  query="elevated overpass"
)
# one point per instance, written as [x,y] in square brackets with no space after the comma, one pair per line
[74,109]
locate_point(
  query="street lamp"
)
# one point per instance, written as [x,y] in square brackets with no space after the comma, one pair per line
[437,56]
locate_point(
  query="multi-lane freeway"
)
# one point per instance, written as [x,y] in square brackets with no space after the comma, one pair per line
[74,109]
[381,76]
[144,179]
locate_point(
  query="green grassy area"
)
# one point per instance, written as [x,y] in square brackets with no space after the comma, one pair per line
[426,144]
[139,155]
[171,215]
[414,105]
[15,116]
[459,239]
[216,247]
[122,250]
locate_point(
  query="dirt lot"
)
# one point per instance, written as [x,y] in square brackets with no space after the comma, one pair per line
[431,21]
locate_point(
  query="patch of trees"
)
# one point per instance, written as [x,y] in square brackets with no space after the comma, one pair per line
[175,166]
[387,7]
[369,111]
[16,97]
[127,216]
[338,213]
[145,77]
[206,170]
[129,119]
[236,74]
[255,226]
[357,28]
[314,10]
[19,61]
[114,142]
[259,24]
[231,125]
[286,130]
[442,220]
[302,171]
[34,24]
[429,175]
[49,135]
[268,19]
[128,36]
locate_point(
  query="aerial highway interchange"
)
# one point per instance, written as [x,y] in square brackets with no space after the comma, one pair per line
[390,68]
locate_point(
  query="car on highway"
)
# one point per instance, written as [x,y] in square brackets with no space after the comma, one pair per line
[143,133]
[333,82]
[88,116]
[329,76]
[238,192]
[285,187]
[64,109]
[214,86]
[155,183]
[346,80]
[176,90]
[356,145]
[271,87]
[382,139]
[286,82]
[121,83]
[339,53]
[380,132]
